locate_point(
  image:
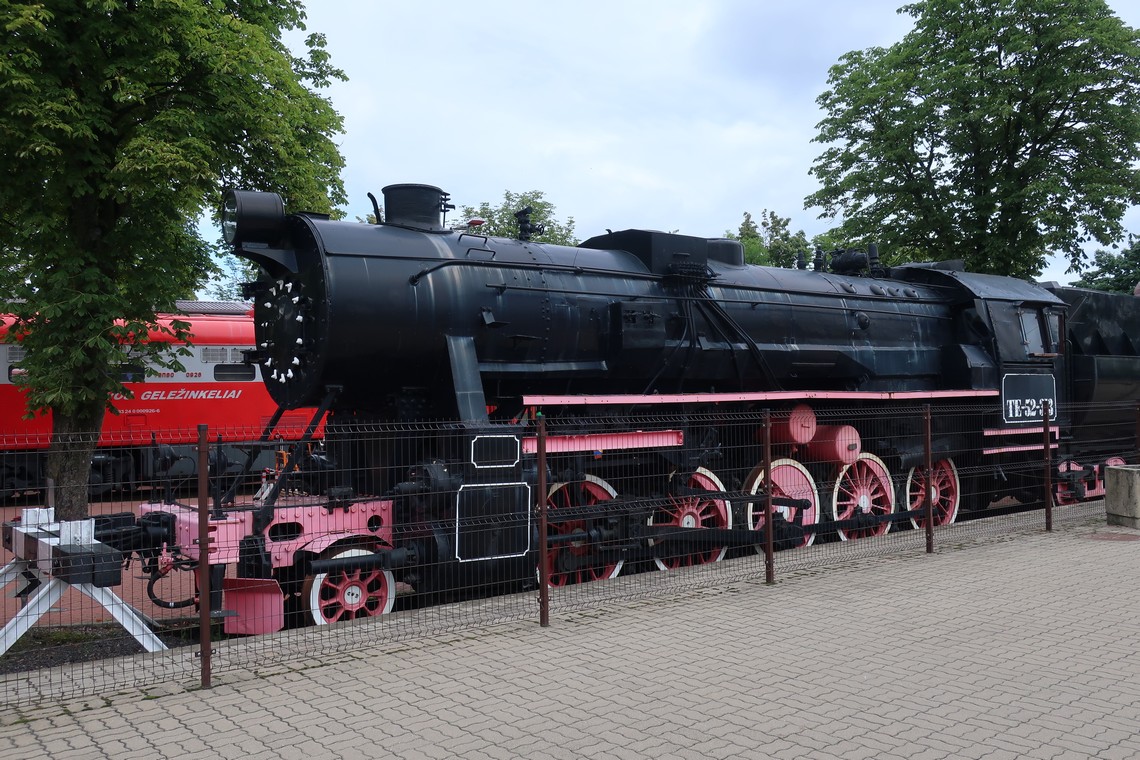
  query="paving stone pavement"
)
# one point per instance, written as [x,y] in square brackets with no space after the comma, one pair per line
[1022,648]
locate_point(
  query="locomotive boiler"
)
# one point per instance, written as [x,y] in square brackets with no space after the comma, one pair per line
[409,317]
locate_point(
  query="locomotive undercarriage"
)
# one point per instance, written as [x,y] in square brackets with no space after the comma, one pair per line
[622,501]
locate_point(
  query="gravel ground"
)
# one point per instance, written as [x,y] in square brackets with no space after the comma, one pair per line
[49,646]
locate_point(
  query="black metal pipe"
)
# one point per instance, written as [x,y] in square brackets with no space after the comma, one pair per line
[704,538]
[386,559]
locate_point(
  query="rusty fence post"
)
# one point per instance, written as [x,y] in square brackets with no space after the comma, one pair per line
[928,479]
[543,528]
[1046,414]
[769,546]
[1136,451]
[204,623]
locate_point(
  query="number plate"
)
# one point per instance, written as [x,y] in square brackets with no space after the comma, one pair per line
[1023,398]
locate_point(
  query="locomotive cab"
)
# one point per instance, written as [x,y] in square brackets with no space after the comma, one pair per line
[1031,354]
[1009,332]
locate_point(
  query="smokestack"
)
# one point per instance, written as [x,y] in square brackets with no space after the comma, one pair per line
[415,206]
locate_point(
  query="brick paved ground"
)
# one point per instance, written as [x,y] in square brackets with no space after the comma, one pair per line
[1022,648]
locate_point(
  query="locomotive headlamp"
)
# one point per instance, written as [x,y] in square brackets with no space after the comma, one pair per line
[252,217]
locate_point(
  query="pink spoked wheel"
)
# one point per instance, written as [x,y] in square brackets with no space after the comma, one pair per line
[790,480]
[1063,493]
[692,509]
[945,492]
[577,561]
[348,594]
[862,488]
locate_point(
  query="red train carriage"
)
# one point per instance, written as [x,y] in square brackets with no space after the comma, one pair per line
[151,436]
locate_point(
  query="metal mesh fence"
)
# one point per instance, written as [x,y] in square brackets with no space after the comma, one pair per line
[378,532]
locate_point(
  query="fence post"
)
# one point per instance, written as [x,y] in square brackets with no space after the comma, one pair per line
[1136,456]
[543,540]
[928,479]
[1046,414]
[204,622]
[769,548]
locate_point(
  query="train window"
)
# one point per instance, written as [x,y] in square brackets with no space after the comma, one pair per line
[132,373]
[16,372]
[1053,323]
[234,373]
[214,355]
[1006,324]
[1031,331]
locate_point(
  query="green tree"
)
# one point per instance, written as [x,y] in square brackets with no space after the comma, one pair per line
[1114,272]
[122,122]
[229,275]
[748,234]
[997,131]
[782,244]
[499,221]
[771,243]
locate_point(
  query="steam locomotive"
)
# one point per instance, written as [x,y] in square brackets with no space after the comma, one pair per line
[149,438]
[407,321]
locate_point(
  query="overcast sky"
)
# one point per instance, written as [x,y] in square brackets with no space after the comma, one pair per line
[655,114]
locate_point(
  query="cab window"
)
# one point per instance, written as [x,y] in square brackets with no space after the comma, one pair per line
[1031,335]
[1024,332]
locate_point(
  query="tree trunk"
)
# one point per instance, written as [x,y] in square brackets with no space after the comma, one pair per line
[73,440]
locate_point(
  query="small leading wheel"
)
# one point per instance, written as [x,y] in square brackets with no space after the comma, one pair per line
[577,561]
[347,594]
[692,509]
[790,480]
[863,488]
[946,493]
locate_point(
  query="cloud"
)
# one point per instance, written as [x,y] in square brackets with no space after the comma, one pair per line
[628,113]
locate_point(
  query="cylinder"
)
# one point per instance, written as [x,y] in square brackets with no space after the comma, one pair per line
[797,425]
[835,443]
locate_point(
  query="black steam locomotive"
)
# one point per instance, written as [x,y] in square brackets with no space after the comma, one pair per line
[406,321]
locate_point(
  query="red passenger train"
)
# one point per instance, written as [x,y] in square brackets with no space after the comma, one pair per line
[150,438]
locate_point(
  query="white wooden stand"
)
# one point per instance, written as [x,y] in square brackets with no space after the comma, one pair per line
[35,542]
